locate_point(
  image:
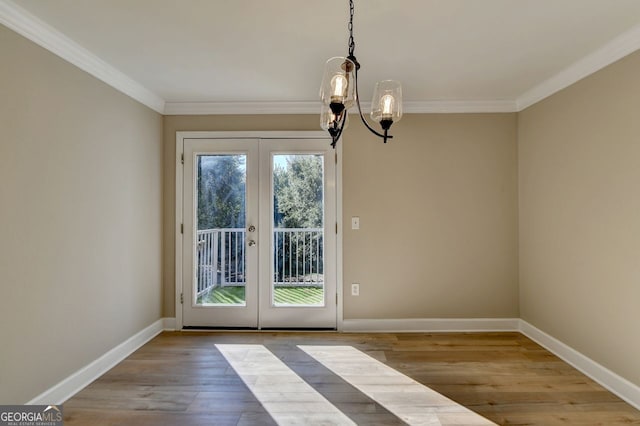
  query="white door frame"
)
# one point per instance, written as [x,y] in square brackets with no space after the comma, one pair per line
[181,136]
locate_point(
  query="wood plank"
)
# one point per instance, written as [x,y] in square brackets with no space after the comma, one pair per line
[180,378]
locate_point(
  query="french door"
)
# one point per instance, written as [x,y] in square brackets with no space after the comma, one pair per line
[259,241]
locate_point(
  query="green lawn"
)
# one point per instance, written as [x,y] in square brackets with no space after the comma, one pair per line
[283,296]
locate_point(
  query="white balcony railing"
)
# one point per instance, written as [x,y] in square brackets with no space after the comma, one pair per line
[220,258]
[297,259]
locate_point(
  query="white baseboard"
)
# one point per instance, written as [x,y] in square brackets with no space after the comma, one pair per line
[605,377]
[68,387]
[623,388]
[620,386]
[169,324]
[427,325]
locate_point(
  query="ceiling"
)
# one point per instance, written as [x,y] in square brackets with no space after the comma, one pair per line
[196,56]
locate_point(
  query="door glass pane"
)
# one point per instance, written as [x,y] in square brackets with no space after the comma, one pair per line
[298,230]
[220,216]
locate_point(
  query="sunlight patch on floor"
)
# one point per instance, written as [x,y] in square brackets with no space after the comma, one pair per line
[411,401]
[286,397]
[292,401]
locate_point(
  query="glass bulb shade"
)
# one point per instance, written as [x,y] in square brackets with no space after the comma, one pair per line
[330,120]
[338,82]
[387,101]
[339,86]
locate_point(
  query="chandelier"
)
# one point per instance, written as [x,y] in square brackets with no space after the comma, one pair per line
[339,91]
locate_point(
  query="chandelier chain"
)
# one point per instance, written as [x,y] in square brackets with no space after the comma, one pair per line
[352,43]
[352,46]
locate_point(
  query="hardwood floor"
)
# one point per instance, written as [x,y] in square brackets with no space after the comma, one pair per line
[182,378]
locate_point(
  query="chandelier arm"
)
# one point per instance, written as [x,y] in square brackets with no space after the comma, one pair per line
[364,121]
[338,135]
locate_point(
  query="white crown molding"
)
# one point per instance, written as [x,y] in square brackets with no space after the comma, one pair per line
[240,108]
[29,26]
[607,378]
[313,107]
[456,107]
[616,49]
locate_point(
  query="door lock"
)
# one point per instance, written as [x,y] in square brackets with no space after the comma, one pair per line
[252,243]
[252,228]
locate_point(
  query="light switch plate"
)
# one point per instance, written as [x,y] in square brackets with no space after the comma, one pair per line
[355,222]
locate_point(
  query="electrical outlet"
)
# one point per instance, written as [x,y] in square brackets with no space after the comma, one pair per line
[355,222]
[355,289]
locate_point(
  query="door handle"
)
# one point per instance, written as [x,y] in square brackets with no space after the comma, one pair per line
[252,243]
[251,228]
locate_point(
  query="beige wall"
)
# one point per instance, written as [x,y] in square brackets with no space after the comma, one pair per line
[438,218]
[80,218]
[438,209]
[579,168]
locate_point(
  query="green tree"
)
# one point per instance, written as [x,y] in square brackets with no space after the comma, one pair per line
[221,191]
[298,203]
[298,193]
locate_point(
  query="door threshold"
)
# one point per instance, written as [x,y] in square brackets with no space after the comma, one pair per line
[257,330]
[207,328]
